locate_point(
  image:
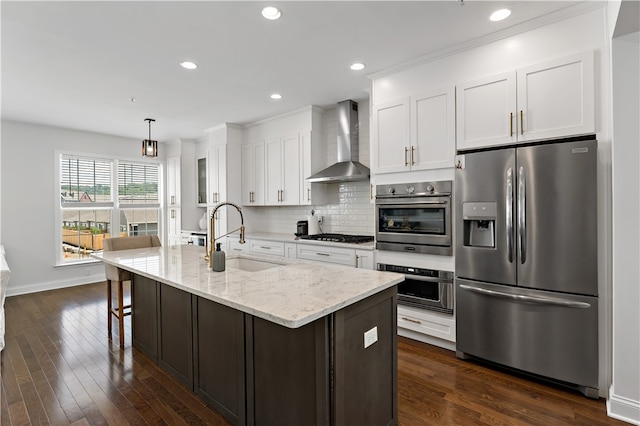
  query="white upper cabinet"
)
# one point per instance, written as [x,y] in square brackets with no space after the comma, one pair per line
[201,181]
[282,171]
[312,161]
[253,178]
[433,129]
[486,109]
[390,137]
[414,133]
[556,98]
[548,100]
[217,162]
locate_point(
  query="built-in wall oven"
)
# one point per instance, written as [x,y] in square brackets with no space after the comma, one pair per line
[424,288]
[414,217]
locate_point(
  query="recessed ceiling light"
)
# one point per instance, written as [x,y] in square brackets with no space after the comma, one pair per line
[188,65]
[276,96]
[499,15]
[357,66]
[271,13]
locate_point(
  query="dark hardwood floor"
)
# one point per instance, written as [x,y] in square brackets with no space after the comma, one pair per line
[58,367]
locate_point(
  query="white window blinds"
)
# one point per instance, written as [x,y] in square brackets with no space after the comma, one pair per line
[138,184]
[85,182]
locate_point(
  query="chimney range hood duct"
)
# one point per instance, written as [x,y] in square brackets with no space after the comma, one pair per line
[348,168]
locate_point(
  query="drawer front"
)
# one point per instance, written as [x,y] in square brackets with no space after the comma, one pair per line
[425,322]
[273,248]
[335,255]
[236,247]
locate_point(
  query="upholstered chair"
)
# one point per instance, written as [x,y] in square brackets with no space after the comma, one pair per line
[118,276]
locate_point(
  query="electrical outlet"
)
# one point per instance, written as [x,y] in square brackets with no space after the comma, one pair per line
[370,337]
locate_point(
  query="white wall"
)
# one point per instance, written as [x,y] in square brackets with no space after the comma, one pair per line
[29,203]
[624,402]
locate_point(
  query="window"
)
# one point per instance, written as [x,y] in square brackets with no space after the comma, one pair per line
[91,211]
[138,198]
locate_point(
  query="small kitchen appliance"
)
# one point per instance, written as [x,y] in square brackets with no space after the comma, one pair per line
[428,289]
[302,228]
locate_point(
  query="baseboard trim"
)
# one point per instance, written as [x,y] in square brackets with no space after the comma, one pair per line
[445,344]
[53,285]
[624,409]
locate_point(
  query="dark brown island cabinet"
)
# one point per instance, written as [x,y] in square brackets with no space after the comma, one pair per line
[340,369]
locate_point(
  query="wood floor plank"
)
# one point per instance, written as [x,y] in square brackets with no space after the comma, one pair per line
[59,367]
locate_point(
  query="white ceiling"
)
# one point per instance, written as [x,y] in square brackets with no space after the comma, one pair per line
[77,64]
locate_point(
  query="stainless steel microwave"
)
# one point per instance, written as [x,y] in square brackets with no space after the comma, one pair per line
[424,288]
[414,217]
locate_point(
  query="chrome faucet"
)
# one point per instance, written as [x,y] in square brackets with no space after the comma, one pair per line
[212,229]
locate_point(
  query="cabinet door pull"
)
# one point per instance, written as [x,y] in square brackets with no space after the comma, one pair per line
[371,191]
[357,258]
[265,247]
[521,124]
[510,124]
[308,194]
[173,214]
[173,199]
[411,320]
[322,254]
[413,150]
[406,163]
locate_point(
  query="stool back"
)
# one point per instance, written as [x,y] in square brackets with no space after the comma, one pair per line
[114,273]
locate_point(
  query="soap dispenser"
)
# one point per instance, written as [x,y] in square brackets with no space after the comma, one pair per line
[218,259]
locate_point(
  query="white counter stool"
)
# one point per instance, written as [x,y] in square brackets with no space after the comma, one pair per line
[119,275]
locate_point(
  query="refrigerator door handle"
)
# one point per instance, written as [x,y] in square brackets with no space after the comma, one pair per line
[554,301]
[522,219]
[508,208]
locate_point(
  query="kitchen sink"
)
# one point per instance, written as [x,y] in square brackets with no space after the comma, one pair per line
[251,265]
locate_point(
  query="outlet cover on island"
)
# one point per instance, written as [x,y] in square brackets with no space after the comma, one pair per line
[370,337]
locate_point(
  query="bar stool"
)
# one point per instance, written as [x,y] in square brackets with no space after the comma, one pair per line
[118,275]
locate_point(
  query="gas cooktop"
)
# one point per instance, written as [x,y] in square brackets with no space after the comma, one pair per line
[339,238]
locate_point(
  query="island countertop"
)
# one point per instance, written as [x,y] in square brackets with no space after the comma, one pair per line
[292,294]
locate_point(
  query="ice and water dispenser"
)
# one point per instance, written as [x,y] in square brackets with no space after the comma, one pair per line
[479,224]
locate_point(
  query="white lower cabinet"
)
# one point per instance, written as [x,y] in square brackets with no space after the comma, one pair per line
[365,259]
[234,246]
[427,323]
[290,251]
[337,255]
[274,248]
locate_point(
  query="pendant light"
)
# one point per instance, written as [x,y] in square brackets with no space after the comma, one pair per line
[149,147]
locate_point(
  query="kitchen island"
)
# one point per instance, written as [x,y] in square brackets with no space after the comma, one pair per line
[269,341]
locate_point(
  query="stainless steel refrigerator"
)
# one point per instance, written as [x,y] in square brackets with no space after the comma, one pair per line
[526,259]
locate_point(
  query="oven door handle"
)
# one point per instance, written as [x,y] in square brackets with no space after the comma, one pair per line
[424,197]
[429,279]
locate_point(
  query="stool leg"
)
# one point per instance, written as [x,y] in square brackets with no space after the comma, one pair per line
[109,307]
[121,313]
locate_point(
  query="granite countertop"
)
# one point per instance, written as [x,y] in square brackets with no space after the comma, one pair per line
[292,294]
[291,238]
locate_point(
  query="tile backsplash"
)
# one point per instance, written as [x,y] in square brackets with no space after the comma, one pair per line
[348,211]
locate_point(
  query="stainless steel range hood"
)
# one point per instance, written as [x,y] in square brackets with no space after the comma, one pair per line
[348,168]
